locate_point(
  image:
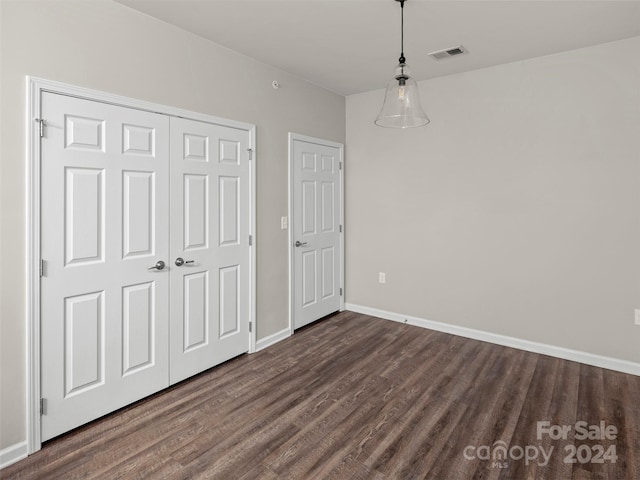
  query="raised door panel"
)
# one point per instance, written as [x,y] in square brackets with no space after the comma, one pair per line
[84,342]
[328,164]
[229,210]
[195,147]
[196,310]
[308,162]
[84,192]
[328,272]
[139,321]
[309,275]
[138,140]
[84,133]
[229,300]
[309,207]
[138,191]
[229,151]
[327,202]
[196,211]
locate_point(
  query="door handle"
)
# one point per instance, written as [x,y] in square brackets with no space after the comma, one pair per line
[300,244]
[181,261]
[158,266]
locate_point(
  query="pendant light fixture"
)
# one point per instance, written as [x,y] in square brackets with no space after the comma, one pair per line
[402,107]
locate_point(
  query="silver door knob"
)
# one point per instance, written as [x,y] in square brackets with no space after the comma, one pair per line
[158,266]
[181,261]
[300,244]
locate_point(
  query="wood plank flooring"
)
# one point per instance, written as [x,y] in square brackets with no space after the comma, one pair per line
[356,397]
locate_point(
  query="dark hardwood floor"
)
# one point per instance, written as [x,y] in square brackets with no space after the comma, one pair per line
[355,397]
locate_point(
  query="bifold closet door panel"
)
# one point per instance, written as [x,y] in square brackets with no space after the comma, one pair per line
[104,223]
[210,216]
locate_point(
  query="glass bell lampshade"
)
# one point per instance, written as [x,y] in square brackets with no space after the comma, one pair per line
[402,107]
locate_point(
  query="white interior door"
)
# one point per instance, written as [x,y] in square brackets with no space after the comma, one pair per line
[316,231]
[210,251]
[145,223]
[104,223]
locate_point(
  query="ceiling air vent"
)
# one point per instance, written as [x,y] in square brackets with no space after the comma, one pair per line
[448,52]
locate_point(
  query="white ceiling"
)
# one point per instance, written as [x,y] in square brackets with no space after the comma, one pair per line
[352,46]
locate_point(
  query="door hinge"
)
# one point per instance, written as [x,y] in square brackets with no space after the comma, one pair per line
[250,326]
[340,291]
[43,406]
[250,150]
[340,228]
[41,126]
[250,240]
[41,267]
[340,165]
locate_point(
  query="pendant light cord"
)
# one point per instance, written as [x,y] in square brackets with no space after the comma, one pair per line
[402,59]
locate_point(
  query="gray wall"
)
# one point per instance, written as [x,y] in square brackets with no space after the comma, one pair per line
[516,211]
[106,46]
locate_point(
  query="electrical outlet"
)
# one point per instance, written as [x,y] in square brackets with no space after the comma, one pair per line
[637,316]
[284,223]
[382,278]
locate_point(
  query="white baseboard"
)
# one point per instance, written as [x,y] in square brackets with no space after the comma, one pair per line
[617,364]
[272,339]
[13,454]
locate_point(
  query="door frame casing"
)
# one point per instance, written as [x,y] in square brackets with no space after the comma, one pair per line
[305,138]
[35,87]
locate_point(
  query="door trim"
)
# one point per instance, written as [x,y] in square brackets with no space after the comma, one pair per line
[305,138]
[35,87]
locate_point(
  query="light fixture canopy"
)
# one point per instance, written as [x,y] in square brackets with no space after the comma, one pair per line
[402,107]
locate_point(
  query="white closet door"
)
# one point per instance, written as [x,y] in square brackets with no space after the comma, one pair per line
[105,212]
[316,230]
[210,194]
